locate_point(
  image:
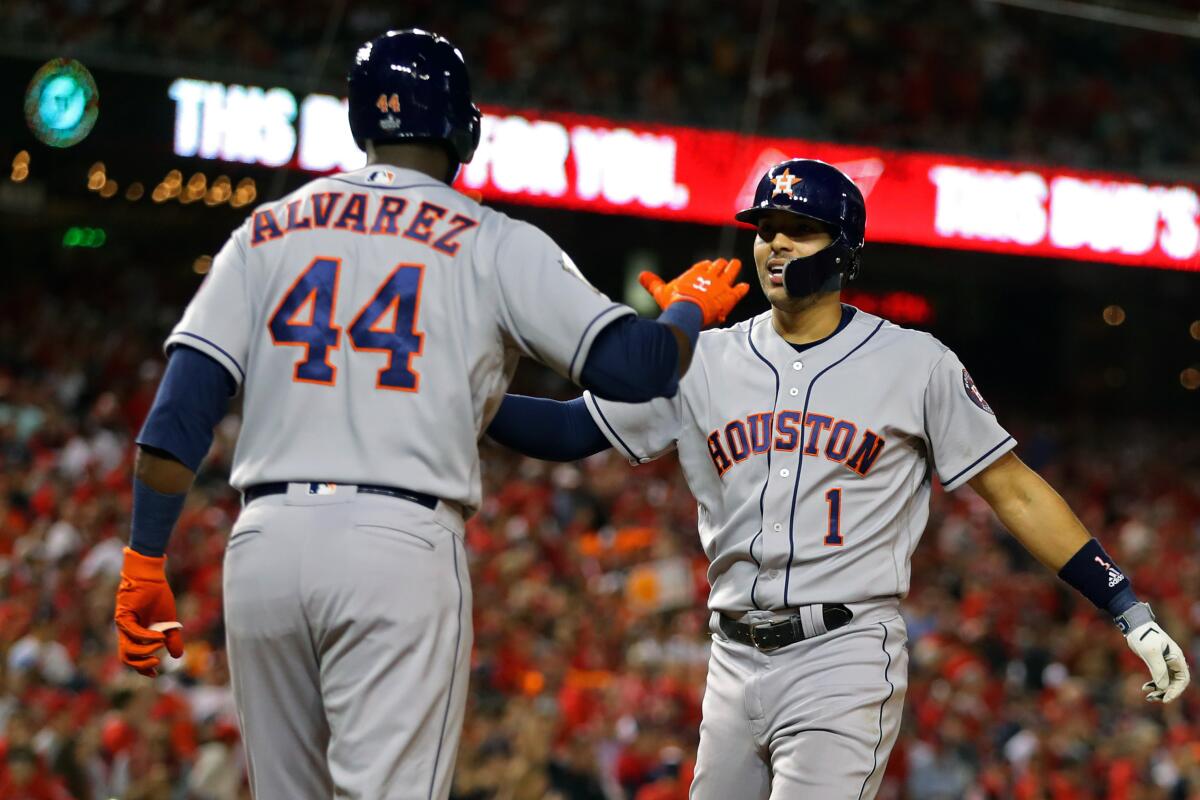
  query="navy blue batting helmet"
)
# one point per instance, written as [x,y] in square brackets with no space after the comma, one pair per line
[820,191]
[413,85]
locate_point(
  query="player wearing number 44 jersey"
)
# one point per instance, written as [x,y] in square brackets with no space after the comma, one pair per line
[372,321]
[811,436]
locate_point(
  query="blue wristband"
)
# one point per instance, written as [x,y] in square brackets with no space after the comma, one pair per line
[154,517]
[1093,574]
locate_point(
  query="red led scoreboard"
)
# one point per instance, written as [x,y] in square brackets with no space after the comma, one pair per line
[686,174]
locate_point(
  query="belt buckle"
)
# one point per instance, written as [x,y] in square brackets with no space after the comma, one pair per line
[762,646]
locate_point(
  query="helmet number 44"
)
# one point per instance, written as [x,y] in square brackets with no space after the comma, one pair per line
[387,103]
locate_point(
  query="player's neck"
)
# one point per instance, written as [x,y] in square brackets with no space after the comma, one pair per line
[420,156]
[810,319]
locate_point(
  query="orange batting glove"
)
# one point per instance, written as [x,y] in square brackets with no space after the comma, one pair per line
[145,615]
[708,284]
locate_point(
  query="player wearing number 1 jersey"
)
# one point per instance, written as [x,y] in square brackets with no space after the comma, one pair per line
[372,321]
[811,436]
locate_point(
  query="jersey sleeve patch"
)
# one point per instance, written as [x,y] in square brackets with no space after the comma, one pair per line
[974,394]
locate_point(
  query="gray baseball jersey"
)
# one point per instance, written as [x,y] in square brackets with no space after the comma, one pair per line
[374,319]
[812,469]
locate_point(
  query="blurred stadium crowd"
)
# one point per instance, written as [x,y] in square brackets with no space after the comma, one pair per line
[590,629]
[590,654]
[972,76]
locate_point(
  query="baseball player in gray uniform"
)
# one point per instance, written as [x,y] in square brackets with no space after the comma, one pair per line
[812,471]
[372,321]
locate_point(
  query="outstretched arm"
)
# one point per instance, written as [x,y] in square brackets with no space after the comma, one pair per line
[1043,522]
[636,360]
[547,429]
[1032,511]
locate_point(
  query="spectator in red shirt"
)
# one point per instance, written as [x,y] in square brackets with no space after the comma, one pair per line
[24,778]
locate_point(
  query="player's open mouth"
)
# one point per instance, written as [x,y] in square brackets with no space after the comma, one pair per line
[775,272]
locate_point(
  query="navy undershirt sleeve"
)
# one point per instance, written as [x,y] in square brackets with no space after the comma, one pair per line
[191,400]
[547,429]
[634,360]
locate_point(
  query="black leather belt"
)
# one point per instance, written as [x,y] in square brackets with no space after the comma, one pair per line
[769,635]
[420,498]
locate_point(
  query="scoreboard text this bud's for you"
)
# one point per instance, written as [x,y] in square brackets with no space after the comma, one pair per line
[62,103]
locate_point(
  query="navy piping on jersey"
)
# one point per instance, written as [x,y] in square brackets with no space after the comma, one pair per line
[891,691]
[971,466]
[449,692]
[787,580]
[761,495]
[390,188]
[218,347]
[613,431]
[582,336]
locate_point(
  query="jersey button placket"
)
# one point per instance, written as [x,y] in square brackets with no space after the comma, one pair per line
[786,475]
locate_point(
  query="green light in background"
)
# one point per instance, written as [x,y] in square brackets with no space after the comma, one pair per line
[62,103]
[632,292]
[84,237]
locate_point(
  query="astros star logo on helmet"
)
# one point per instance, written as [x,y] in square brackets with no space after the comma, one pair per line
[784,182]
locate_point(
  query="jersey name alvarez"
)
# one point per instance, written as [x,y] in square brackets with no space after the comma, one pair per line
[373,214]
[838,440]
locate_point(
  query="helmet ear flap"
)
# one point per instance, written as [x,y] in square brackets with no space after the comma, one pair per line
[476,131]
[855,265]
[850,255]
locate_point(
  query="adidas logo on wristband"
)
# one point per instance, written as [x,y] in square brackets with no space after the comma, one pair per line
[1114,574]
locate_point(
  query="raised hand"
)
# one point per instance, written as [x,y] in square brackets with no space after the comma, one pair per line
[708,284]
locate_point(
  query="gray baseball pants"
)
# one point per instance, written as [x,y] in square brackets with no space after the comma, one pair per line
[348,625]
[816,719]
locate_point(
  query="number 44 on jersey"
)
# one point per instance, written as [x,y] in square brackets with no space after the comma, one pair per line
[386,324]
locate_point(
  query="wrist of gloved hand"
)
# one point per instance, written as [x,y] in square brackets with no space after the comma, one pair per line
[1134,616]
[142,567]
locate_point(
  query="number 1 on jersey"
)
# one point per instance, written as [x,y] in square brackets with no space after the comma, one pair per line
[834,537]
[386,324]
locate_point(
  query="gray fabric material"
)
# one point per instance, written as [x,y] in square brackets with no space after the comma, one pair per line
[501,290]
[815,719]
[348,623]
[764,516]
